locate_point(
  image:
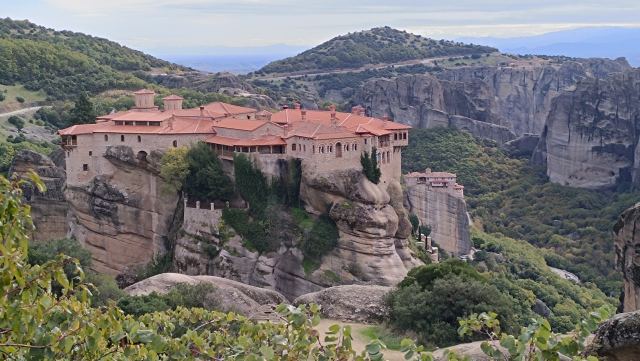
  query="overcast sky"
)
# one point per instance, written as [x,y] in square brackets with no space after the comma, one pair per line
[165,26]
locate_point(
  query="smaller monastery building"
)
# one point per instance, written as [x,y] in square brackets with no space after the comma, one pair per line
[324,140]
[444,182]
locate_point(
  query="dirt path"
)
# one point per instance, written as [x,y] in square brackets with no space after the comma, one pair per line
[20,111]
[359,341]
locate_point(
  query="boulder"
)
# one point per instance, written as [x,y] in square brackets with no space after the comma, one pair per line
[230,295]
[350,303]
[617,339]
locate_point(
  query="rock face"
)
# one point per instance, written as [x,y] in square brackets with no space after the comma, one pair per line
[445,213]
[122,217]
[372,224]
[231,295]
[350,303]
[49,210]
[498,103]
[617,339]
[591,136]
[627,246]
[372,247]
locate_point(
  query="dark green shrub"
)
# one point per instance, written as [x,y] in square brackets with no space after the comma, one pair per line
[20,99]
[426,275]
[16,121]
[251,184]
[370,166]
[322,238]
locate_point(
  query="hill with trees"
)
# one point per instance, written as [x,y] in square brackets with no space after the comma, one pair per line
[374,46]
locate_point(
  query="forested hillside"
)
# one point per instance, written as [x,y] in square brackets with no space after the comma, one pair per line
[65,64]
[506,195]
[375,46]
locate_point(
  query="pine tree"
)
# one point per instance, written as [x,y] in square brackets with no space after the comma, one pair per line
[83,111]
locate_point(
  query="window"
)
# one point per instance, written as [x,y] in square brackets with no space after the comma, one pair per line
[155,124]
[106,138]
[304,147]
[355,146]
[330,148]
[365,140]
[90,153]
[293,146]
[404,135]
[85,167]
[128,123]
[395,136]
[122,138]
[313,149]
[139,139]
[175,144]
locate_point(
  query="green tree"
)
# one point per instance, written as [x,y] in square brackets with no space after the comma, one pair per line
[207,180]
[370,166]
[83,111]
[174,167]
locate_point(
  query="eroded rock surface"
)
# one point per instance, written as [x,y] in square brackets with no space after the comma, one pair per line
[617,339]
[493,102]
[230,295]
[591,136]
[350,303]
[627,247]
[49,210]
[122,216]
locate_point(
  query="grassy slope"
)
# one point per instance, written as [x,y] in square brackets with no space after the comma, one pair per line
[508,196]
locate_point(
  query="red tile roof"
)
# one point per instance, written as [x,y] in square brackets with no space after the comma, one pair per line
[264,140]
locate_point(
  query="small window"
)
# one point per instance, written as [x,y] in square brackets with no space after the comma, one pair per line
[90,153]
[248,116]
[106,138]
[304,147]
[175,144]
[330,148]
[293,146]
[395,136]
[355,146]
[365,140]
[85,167]
[122,138]
[139,139]
[313,149]
[404,135]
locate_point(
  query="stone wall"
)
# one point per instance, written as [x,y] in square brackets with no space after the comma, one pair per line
[627,248]
[201,216]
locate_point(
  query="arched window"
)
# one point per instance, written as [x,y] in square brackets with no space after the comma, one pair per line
[331,149]
[122,138]
[293,146]
[106,138]
[313,149]
[338,150]
[355,146]
[139,139]
[175,144]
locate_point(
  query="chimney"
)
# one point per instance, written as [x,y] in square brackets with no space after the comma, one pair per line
[285,106]
[202,111]
[332,109]
[172,102]
[303,114]
[297,105]
[357,110]
[387,118]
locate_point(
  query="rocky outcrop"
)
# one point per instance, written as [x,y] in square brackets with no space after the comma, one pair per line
[617,339]
[372,246]
[591,136]
[229,295]
[372,225]
[49,210]
[122,216]
[627,248]
[494,102]
[445,214]
[350,303]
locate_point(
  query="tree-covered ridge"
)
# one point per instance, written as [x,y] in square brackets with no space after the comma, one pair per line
[507,195]
[103,51]
[374,46]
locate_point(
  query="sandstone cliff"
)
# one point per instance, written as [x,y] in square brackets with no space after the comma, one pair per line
[49,210]
[499,103]
[627,247]
[591,136]
[372,247]
[445,213]
[122,217]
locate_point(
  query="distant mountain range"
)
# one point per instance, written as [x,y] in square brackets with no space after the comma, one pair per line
[601,42]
